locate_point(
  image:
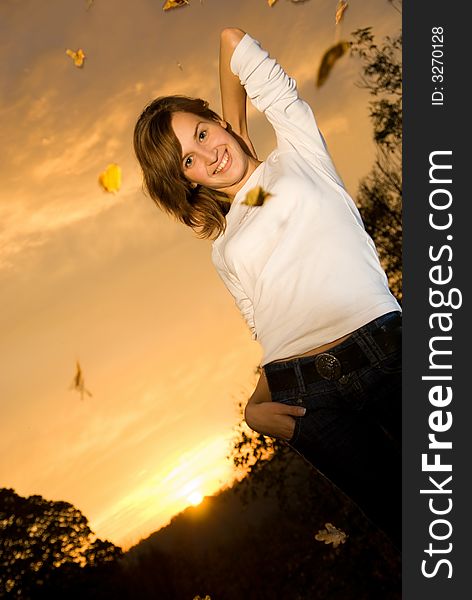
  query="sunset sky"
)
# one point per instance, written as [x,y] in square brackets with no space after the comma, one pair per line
[110,281]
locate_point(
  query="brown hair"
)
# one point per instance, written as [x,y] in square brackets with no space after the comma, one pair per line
[160,155]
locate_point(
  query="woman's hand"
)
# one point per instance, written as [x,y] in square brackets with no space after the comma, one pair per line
[273,418]
[270,418]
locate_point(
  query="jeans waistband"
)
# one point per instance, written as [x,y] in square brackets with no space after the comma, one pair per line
[367,345]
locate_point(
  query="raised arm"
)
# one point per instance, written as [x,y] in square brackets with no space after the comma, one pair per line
[233,94]
[274,93]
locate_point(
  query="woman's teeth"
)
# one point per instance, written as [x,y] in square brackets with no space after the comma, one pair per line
[222,164]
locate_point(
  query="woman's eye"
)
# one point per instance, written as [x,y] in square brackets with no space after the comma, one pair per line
[202,135]
[188,162]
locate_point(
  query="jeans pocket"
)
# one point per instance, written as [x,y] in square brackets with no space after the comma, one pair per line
[392,365]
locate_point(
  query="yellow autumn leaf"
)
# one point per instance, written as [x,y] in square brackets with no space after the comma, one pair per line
[78,56]
[271,2]
[331,535]
[330,57]
[174,4]
[256,197]
[110,179]
[340,10]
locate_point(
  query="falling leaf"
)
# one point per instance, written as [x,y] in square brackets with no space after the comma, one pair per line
[331,535]
[78,56]
[78,383]
[340,10]
[110,179]
[174,4]
[330,57]
[271,2]
[256,197]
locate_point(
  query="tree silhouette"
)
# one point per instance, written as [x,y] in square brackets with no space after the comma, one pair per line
[380,193]
[44,545]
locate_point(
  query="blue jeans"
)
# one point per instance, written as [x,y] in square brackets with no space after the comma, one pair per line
[351,431]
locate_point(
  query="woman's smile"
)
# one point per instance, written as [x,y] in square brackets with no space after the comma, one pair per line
[224,165]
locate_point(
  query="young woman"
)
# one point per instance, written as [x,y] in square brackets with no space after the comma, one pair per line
[301,268]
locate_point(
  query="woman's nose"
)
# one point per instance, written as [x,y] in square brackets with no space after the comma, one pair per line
[210,156]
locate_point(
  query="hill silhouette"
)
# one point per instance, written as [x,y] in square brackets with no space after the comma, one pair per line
[254,540]
[265,548]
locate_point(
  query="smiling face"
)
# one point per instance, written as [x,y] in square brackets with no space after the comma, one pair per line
[211,156]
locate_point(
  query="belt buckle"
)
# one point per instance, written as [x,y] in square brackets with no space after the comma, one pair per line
[328,366]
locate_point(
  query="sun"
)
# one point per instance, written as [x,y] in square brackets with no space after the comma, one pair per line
[195,497]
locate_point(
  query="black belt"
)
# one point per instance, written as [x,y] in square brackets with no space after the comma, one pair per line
[332,365]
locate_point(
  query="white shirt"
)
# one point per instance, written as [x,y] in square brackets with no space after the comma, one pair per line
[301,267]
